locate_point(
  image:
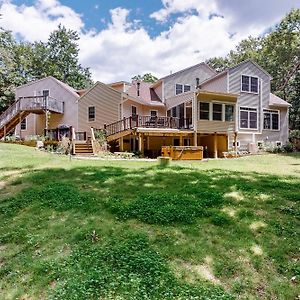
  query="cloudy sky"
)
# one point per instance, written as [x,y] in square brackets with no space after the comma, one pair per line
[122,38]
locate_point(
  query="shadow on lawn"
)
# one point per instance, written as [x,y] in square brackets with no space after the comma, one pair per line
[172,196]
[152,195]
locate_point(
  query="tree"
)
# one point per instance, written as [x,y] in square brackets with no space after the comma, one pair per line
[278,52]
[60,55]
[22,62]
[148,77]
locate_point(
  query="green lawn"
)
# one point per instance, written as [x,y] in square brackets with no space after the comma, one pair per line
[78,229]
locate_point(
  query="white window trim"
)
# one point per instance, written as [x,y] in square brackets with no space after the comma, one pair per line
[209,111]
[182,85]
[241,128]
[249,92]
[270,111]
[155,111]
[88,114]
[25,119]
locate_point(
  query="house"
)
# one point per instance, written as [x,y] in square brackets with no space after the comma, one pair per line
[194,106]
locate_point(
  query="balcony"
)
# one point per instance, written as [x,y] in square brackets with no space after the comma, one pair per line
[38,104]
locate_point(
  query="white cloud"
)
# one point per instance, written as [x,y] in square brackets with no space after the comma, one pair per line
[124,48]
[38,21]
[204,7]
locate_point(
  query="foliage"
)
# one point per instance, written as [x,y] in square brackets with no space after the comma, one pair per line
[278,53]
[23,62]
[166,208]
[147,77]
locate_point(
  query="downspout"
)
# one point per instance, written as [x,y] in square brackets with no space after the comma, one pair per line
[260,107]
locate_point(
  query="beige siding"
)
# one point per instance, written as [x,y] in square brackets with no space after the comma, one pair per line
[159,92]
[36,122]
[186,77]
[217,85]
[107,105]
[182,98]
[206,126]
[141,109]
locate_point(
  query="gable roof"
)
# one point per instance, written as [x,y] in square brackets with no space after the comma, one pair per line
[252,62]
[147,93]
[277,101]
[94,86]
[189,68]
[62,84]
[232,68]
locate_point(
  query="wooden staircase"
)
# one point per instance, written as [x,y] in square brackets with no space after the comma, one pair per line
[21,108]
[83,148]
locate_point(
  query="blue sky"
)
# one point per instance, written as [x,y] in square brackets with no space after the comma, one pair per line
[119,39]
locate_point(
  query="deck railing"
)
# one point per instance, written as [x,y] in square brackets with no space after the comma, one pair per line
[31,104]
[34,103]
[147,122]
[56,134]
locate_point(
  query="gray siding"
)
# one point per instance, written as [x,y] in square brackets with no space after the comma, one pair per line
[280,135]
[250,99]
[107,105]
[186,77]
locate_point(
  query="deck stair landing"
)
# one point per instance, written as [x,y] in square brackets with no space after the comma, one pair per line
[21,108]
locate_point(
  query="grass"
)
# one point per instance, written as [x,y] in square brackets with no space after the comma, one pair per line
[77,229]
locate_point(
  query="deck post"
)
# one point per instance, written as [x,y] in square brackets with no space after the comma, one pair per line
[121,144]
[4,133]
[195,139]
[215,145]
[137,120]
[124,123]
[20,120]
[130,122]
[141,143]
[181,140]
[235,143]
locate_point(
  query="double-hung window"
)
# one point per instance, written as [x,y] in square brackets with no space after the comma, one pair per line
[24,124]
[271,119]
[91,113]
[248,118]
[249,84]
[181,88]
[204,111]
[229,111]
[217,112]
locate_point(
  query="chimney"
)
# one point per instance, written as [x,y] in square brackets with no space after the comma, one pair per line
[138,83]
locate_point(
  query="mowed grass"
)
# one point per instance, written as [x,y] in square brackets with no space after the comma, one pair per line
[78,229]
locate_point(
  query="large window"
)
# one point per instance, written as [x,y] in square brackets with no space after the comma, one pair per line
[181,88]
[24,124]
[271,119]
[204,111]
[248,118]
[91,113]
[229,111]
[249,84]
